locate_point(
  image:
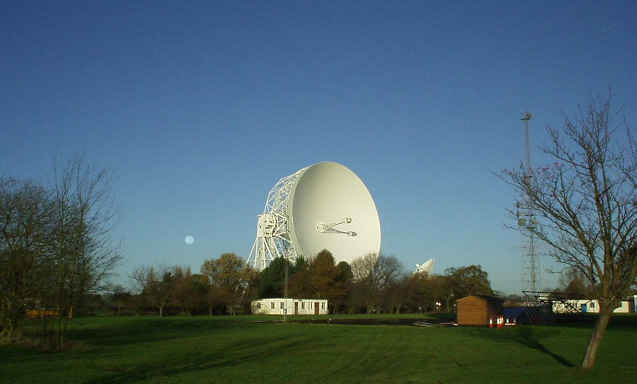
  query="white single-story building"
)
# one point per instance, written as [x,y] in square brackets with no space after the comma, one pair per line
[289,306]
[589,306]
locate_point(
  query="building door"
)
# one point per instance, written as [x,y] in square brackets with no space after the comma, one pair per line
[296,308]
[316,308]
[584,308]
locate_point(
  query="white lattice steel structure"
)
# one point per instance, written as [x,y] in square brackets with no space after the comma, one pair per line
[273,237]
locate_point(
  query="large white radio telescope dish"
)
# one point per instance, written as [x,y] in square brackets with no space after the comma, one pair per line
[324,206]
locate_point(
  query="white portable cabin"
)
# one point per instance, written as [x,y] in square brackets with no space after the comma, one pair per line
[590,306]
[293,307]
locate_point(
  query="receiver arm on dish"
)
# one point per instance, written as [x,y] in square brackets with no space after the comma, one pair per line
[329,228]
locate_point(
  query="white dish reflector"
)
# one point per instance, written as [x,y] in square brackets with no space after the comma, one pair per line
[324,206]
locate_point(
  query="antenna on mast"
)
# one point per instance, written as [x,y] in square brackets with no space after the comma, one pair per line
[527,221]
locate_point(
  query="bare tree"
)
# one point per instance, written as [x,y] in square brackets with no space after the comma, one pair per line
[155,284]
[373,275]
[400,293]
[119,297]
[587,204]
[81,251]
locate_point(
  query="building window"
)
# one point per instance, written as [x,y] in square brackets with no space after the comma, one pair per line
[302,305]
[323,305]
[259,305]
[592,305]
[282,305]
[272,305]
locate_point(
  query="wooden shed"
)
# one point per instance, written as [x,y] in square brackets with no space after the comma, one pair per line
[478,309]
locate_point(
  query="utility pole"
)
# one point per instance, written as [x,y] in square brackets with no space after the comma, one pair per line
[285,294]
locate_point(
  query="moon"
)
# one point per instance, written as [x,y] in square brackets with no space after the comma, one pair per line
[189,240]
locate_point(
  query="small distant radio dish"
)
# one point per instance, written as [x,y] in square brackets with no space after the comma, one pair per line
[426,267]
[324,206]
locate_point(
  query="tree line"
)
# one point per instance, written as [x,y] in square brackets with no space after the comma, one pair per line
[226,285]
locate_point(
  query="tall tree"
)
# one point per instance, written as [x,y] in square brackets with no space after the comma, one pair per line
[587,203]
[439,289]
[469,280]
[300,280]
[24,214]
[325,277]
[272,278]
[344,278]
[56,244]
[187,292]
[81,248]
[373,275]
[229,277]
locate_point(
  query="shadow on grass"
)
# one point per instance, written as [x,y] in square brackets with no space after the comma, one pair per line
[235,354]
[118,333]
[623,321]
[526,336]
[136,330]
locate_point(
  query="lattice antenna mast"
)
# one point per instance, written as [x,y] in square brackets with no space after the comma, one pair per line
[273,238]
[527,221]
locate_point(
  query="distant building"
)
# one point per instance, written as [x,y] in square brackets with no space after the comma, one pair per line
[590,306]
[479,310]
[294,307]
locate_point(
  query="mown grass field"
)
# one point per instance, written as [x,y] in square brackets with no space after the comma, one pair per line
[242,350]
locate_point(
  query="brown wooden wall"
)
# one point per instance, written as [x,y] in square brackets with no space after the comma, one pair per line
[476,310]
[472,310]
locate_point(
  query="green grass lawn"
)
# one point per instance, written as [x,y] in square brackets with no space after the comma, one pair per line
[245,349]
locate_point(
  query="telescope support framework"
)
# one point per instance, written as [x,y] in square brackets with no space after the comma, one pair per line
[273,237]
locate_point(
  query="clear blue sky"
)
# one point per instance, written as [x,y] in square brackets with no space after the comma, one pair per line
[200,107]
